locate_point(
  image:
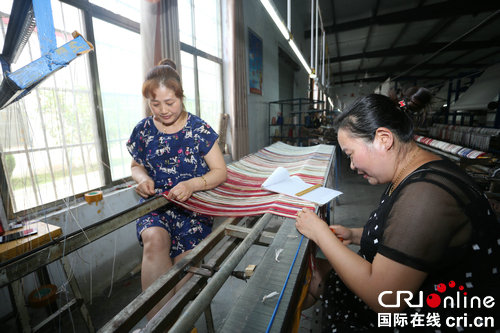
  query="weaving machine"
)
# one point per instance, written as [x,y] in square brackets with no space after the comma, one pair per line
[240,195]
[483,166]
[451,148]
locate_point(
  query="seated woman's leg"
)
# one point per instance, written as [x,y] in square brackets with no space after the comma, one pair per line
[317,284]
[156,261]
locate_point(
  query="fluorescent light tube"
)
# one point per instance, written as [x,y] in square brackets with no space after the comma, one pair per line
[276,18]
[300,56]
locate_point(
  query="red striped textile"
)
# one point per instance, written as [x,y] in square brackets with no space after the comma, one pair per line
[450,147]
[241,194]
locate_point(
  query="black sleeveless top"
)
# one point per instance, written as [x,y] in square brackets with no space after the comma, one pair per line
[437,221]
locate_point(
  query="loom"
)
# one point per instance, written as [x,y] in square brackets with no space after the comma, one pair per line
[230,240]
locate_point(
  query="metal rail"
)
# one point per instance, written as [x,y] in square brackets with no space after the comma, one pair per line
[125,320]
[20,266]
[185,321]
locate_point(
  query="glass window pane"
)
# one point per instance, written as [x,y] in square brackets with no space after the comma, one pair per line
[61,170]
[44,134]
[13,121]
[187,61]
[209,78]
[94,165]
[186,22]
[5,8]
[207,25]
[127,8]
[120,163]
[20,184]
[120,76]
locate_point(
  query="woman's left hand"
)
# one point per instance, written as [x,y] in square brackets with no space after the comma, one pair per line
[181,192]
[310,225]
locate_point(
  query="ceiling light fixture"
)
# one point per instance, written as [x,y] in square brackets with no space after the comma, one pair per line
[300,56]
[276,18]
[271,10]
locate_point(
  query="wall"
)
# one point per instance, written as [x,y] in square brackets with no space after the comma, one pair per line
[258,20]
[286,78]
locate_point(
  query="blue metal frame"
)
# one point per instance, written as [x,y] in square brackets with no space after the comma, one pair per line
[23,15]
[20,26]
[45,25]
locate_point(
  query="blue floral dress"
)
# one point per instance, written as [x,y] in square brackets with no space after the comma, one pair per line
[170,159]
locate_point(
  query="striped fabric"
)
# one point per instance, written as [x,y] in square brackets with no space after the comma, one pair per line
[241,194]
[450,147]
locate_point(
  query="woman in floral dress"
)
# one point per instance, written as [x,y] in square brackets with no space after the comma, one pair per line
[172,151]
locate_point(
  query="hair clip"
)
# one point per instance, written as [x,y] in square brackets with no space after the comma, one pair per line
[402,104]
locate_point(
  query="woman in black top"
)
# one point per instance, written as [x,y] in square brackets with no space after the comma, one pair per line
[433,238]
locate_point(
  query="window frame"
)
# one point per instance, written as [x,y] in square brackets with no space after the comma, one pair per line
[195,52]
[89,11]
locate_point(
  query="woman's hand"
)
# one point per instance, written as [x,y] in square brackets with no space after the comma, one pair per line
[343,233]
[310,225]
[181,192]
[146,188]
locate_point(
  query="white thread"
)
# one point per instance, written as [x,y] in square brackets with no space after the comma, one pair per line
[112,270]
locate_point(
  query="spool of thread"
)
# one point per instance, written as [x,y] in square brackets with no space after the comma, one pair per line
[94,196]
[43,296]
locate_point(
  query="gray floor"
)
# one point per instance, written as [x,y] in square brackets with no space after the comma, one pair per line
[352,209]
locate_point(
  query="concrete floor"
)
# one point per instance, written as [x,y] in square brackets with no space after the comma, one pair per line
[352,209]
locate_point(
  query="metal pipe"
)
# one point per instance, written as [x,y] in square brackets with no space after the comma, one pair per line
[130,315]
[191,314]
[327,66]
[323,60]
[316,46]
[312,32]
[289,15]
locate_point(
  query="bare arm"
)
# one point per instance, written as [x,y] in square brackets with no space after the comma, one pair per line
[146,185]
[367,280]
[211,179]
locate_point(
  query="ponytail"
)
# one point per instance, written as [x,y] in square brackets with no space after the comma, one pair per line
[367,114]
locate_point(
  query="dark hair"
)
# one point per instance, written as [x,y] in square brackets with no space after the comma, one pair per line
[416,99]
[164,74]
[167,62]
[367,114]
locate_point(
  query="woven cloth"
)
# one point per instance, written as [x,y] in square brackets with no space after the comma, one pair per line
[450,147]
[241,194]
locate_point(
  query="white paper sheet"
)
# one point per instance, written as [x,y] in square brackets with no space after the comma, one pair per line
[281,182]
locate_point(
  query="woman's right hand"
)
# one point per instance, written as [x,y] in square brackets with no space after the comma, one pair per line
[343,233]
[146,188]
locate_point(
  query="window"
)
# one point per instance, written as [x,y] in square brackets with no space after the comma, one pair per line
[125,8]
[119,64]
[201,58]
[50,145]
